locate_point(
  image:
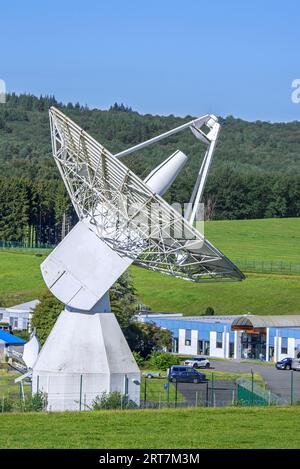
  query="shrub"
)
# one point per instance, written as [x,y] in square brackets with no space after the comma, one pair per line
[114,400]
[6,405]
[138,358]
[209,311]
[163,360]
[35,403]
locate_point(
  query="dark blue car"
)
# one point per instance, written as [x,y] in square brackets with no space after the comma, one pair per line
[284,364]
[185,374]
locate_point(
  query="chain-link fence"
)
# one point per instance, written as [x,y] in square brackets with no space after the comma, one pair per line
[160,393]
[34,248]
[267,266]
[281,388]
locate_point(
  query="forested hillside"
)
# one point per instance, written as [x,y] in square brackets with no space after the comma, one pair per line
[255,172]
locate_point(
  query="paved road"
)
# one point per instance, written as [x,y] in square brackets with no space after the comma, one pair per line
[223,393]
[278,381]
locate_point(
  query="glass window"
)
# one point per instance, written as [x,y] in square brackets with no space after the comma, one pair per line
[187,342]
[284,345]
[219,343]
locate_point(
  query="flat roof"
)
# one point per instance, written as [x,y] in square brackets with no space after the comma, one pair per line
[207,319]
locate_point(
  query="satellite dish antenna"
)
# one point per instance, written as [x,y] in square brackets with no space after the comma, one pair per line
[31,351]
[122,220]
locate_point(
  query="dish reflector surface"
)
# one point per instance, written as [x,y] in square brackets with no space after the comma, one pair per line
[124,213]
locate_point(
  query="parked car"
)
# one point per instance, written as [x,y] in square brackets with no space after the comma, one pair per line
[197,362]
[152,374]
[296,364]
[185,374]
[284,364]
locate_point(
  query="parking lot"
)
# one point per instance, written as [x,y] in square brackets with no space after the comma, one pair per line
[285,384]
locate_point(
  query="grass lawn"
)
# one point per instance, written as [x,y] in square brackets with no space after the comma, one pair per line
[258,294]
[20,277]
[275,239]
[270,427]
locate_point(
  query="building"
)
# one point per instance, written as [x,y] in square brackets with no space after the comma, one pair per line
[246,336]
[18,317]
[9,342]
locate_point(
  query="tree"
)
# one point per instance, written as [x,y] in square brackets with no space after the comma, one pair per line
[209,311]
[45,315]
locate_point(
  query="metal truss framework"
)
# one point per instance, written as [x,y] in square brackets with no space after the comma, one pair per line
[131,219]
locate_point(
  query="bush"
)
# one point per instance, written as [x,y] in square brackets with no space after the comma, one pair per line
[35,403]
[6,405]
[209,311]
[114,400]
[163,360]
[138,358]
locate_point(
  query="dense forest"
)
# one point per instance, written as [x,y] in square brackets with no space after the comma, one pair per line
[255,172]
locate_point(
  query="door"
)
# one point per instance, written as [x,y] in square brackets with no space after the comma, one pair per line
[200,350]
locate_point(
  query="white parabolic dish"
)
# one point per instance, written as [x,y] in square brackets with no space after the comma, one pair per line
[122,221]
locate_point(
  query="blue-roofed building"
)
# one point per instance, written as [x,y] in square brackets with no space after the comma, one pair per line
[9,341]
[245,336]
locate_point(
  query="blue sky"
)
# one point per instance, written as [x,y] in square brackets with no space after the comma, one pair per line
[160,57]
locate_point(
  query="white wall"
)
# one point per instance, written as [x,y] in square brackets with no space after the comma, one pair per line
[219,352]
[188,349]
[237,345]
[290,348]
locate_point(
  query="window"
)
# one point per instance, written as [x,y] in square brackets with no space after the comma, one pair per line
[219,340]
[284,345]
[188,334]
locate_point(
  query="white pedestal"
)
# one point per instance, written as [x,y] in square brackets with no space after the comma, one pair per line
[85,355]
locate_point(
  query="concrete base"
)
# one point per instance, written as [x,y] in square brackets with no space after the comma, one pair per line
[85,355]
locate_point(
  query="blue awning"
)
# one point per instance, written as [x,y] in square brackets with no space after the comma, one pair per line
[10,339]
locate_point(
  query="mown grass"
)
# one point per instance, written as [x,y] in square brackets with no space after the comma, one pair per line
[272,239]
[20,277]
[258,294]
[270,427]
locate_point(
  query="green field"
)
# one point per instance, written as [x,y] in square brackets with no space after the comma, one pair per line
[271,427]
[258,294]
[272,239]
[20,277]
[261,293]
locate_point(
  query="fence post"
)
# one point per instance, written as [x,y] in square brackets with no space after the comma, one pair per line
[168,393]
[292,387]
[196,399]
[212,389]
[80,397]
[206,394]
[252,387]
[145,391]
[176,393]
